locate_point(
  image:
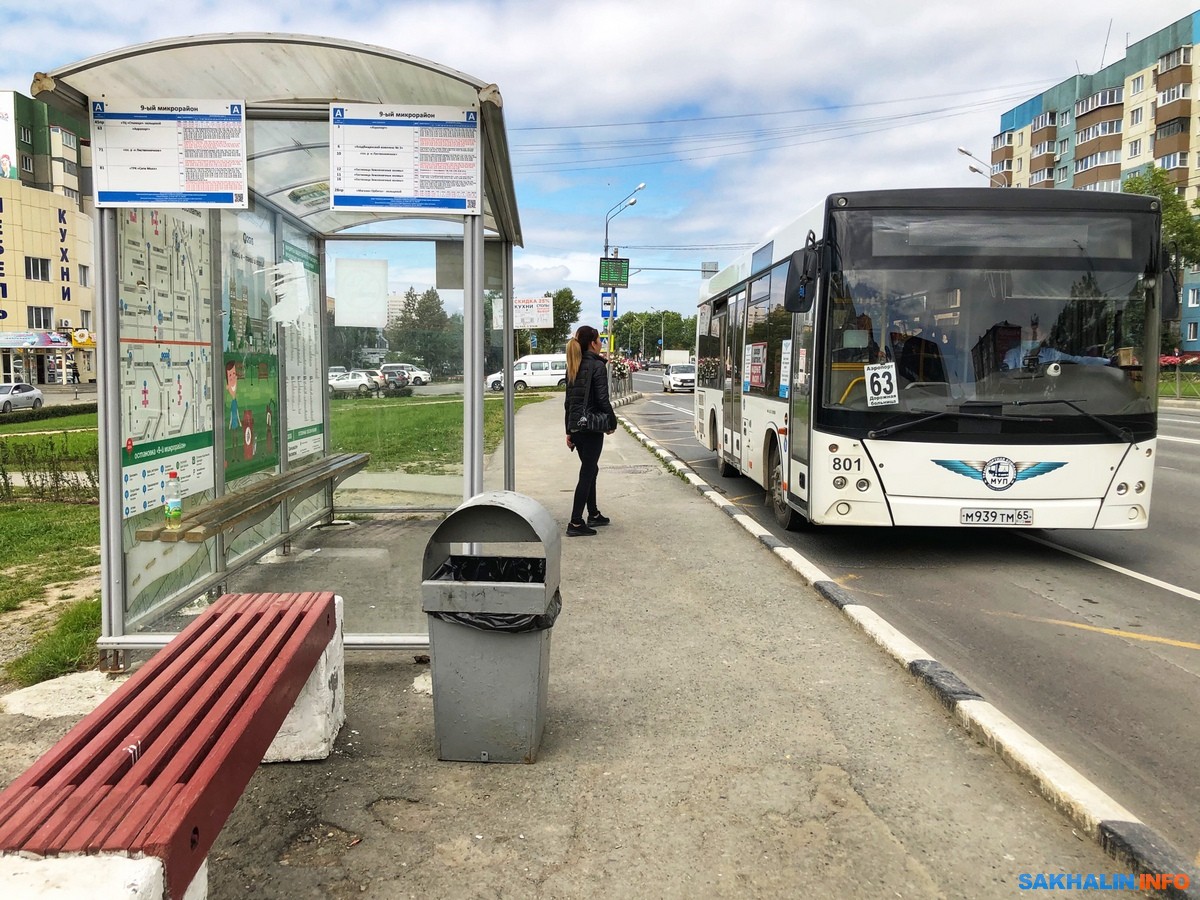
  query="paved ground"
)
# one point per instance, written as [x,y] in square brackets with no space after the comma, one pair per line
[714,729]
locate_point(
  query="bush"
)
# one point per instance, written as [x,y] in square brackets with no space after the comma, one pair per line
[47,471]
[49,412]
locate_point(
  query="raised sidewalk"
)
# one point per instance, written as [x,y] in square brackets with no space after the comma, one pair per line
[715,728]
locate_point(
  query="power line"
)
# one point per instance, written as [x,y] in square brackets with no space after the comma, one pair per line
[682,247]
[786,112]
[856,128]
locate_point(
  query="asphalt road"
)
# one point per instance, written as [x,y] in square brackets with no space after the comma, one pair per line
[1088,640]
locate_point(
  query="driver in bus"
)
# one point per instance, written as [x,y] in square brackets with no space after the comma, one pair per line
[1029,354]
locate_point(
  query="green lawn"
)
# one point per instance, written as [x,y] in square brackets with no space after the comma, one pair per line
[45,544]
[66,445]
[59,423]
[418,434]
[422,435]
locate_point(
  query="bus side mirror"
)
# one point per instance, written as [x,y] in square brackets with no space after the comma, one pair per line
[801,280]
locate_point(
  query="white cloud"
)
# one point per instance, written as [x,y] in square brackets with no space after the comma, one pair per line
[916,81]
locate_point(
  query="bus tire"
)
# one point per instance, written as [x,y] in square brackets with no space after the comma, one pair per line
[785,516]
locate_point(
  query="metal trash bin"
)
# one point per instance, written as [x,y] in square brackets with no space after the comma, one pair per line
[490,618]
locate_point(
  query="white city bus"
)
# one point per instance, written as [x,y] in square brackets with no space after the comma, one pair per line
[942,357]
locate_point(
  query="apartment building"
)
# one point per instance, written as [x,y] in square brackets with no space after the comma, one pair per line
[1092,131]
[46,245]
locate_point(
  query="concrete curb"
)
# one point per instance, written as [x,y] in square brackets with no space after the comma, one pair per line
[1119,833]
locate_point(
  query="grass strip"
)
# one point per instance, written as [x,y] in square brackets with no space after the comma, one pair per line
[69,647]
[45,544]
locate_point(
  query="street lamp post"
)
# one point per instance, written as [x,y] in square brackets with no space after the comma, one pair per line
[988,175]
[986,171]
[662,332]
[629,201]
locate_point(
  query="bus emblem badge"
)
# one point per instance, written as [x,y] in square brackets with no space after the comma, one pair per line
[999,473]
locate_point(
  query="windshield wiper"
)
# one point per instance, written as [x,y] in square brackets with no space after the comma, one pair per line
[1122,434]
[930,415]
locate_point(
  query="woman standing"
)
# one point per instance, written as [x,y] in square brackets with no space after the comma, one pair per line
[587,392]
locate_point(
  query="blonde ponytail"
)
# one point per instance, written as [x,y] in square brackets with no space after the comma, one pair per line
[574,358]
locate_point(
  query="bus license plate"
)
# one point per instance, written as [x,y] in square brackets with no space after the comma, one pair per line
[996,517]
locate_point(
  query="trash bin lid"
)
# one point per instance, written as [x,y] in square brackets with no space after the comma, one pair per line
[497,517]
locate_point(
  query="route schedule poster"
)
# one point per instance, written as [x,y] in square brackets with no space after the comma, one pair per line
[149,152]
[297,288]
[390,157]
[165,366]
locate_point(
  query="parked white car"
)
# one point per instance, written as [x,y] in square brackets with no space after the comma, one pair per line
[19,395]
[416,375]
[679,377]
[352,383]
[374,375]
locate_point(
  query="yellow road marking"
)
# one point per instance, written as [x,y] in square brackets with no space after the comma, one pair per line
[1116,632]
[755,496]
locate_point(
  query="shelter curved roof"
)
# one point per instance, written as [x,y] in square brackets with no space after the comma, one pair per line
[288,82]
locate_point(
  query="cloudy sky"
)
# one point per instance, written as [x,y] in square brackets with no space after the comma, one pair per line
[737,114]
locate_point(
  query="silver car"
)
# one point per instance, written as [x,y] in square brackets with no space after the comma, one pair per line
[679,377]
[19,395]
[352,383]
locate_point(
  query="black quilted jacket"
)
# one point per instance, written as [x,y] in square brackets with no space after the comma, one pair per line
[595,369]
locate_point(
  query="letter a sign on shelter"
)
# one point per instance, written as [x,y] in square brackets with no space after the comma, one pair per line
[389,157]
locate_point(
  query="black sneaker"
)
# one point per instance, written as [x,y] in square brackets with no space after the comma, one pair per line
[579,530]
[598,519]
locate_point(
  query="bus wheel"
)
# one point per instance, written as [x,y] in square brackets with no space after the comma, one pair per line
[776,495]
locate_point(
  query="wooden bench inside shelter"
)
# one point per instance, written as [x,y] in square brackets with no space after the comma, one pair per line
[155,771]
[233,513]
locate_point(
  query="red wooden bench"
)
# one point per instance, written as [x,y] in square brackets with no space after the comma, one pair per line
[157,768]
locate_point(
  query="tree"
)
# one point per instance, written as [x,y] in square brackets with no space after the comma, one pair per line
[1180,236]
[566,313]
[346,343]
[423,333]
[1181,231]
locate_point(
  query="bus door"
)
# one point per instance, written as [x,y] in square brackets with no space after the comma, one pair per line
[731,359]
[803,362]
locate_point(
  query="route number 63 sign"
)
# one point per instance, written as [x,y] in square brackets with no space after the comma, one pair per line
[882,389]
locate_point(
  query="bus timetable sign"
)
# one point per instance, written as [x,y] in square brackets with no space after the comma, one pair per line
[614,272]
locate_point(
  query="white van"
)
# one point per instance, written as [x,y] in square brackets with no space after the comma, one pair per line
[536,370]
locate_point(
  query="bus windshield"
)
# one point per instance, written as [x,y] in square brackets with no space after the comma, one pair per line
[1042,321]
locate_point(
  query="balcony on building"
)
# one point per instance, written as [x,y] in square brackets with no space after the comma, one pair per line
[1172,136]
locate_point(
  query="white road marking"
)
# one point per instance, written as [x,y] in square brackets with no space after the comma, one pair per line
[672,407]
[1166,586]
[1178,440]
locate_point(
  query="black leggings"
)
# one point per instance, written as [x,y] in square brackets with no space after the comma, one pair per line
[588,444]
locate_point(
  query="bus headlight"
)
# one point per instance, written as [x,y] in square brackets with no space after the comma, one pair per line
[1122,488]
[1139,487]
[839,482]
[862,484]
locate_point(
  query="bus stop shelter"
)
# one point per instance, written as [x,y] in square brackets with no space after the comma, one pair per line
[201,308]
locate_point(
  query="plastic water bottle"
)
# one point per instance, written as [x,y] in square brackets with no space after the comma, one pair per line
[173,508]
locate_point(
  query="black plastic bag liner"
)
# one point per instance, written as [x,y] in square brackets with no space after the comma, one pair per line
[526,570]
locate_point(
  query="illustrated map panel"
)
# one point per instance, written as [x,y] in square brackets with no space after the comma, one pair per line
[166,365]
